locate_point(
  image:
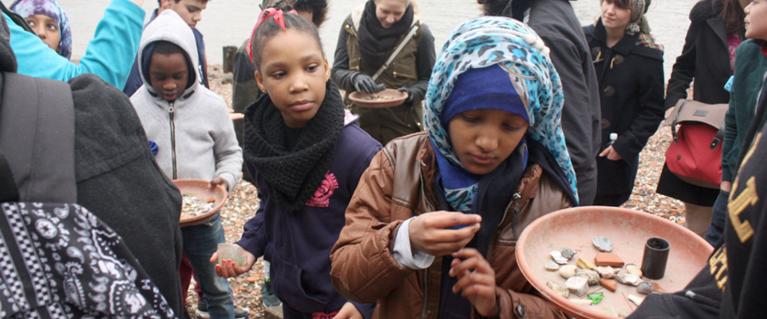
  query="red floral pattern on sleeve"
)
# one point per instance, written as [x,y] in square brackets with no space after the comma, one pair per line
[324,192]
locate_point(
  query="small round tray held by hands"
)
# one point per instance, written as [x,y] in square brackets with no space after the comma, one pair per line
[383,99]
[628,230]
[211,199]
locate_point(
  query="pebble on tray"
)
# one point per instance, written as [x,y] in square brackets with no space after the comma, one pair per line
[567,271]
[192,206]
[592,276]
[644,288]
[556,255]
[627,278]
[578,285]
[552,266]
[568,253]
[602,244]
[558,288]
[634,269]
[606,272]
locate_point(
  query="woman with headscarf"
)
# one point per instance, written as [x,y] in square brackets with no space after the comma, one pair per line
[49,21]
[428,210]
[109,54]
[377,32]
[556,23]
[629,67]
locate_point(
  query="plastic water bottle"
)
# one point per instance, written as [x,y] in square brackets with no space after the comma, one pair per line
[269,299]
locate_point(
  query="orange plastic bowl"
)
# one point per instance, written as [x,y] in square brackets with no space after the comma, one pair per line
[629,230]
[201,189]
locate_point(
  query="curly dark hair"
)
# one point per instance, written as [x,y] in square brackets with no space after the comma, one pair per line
[318,8]
[494,7]
[505,8]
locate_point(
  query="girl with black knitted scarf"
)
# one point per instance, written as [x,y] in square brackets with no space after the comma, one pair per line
[306,155]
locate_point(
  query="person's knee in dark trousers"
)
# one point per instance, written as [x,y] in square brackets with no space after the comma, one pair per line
[715,233]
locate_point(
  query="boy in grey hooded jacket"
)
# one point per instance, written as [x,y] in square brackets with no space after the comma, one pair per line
[194,136]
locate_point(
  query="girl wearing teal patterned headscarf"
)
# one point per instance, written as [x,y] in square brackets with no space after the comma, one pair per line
[454,199]
[494,43]
[50,23]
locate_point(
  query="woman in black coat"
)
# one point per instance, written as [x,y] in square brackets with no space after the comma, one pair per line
[716,29]
[629,67]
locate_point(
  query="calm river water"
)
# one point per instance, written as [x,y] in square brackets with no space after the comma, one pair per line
[228,22]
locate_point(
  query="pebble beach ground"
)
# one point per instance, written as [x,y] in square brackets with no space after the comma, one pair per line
[244,201]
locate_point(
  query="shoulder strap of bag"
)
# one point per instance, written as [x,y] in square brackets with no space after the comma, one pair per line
[413,30]
[37,137]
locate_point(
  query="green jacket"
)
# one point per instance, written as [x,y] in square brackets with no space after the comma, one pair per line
[750,67]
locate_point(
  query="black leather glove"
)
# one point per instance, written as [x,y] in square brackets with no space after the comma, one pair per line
[364,83]
[406,90]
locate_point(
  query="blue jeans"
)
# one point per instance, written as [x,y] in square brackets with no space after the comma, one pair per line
[200,242]
[715,232]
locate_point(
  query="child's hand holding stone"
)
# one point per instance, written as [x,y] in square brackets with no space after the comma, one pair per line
[442,233]
[228,268]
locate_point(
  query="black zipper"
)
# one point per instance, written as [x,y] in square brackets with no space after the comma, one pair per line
[172,115]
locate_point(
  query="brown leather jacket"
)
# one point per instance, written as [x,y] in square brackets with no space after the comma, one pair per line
[397,186]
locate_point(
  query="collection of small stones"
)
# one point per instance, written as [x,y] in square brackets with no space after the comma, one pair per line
[585,280]
[192,206]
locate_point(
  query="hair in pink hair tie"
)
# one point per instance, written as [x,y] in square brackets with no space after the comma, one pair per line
[279,19]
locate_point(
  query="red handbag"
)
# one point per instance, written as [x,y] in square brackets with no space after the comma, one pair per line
[695,154]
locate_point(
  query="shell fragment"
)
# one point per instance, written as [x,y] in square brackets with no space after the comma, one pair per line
[556,255]
[627,278]
[602,244]
[552,266]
